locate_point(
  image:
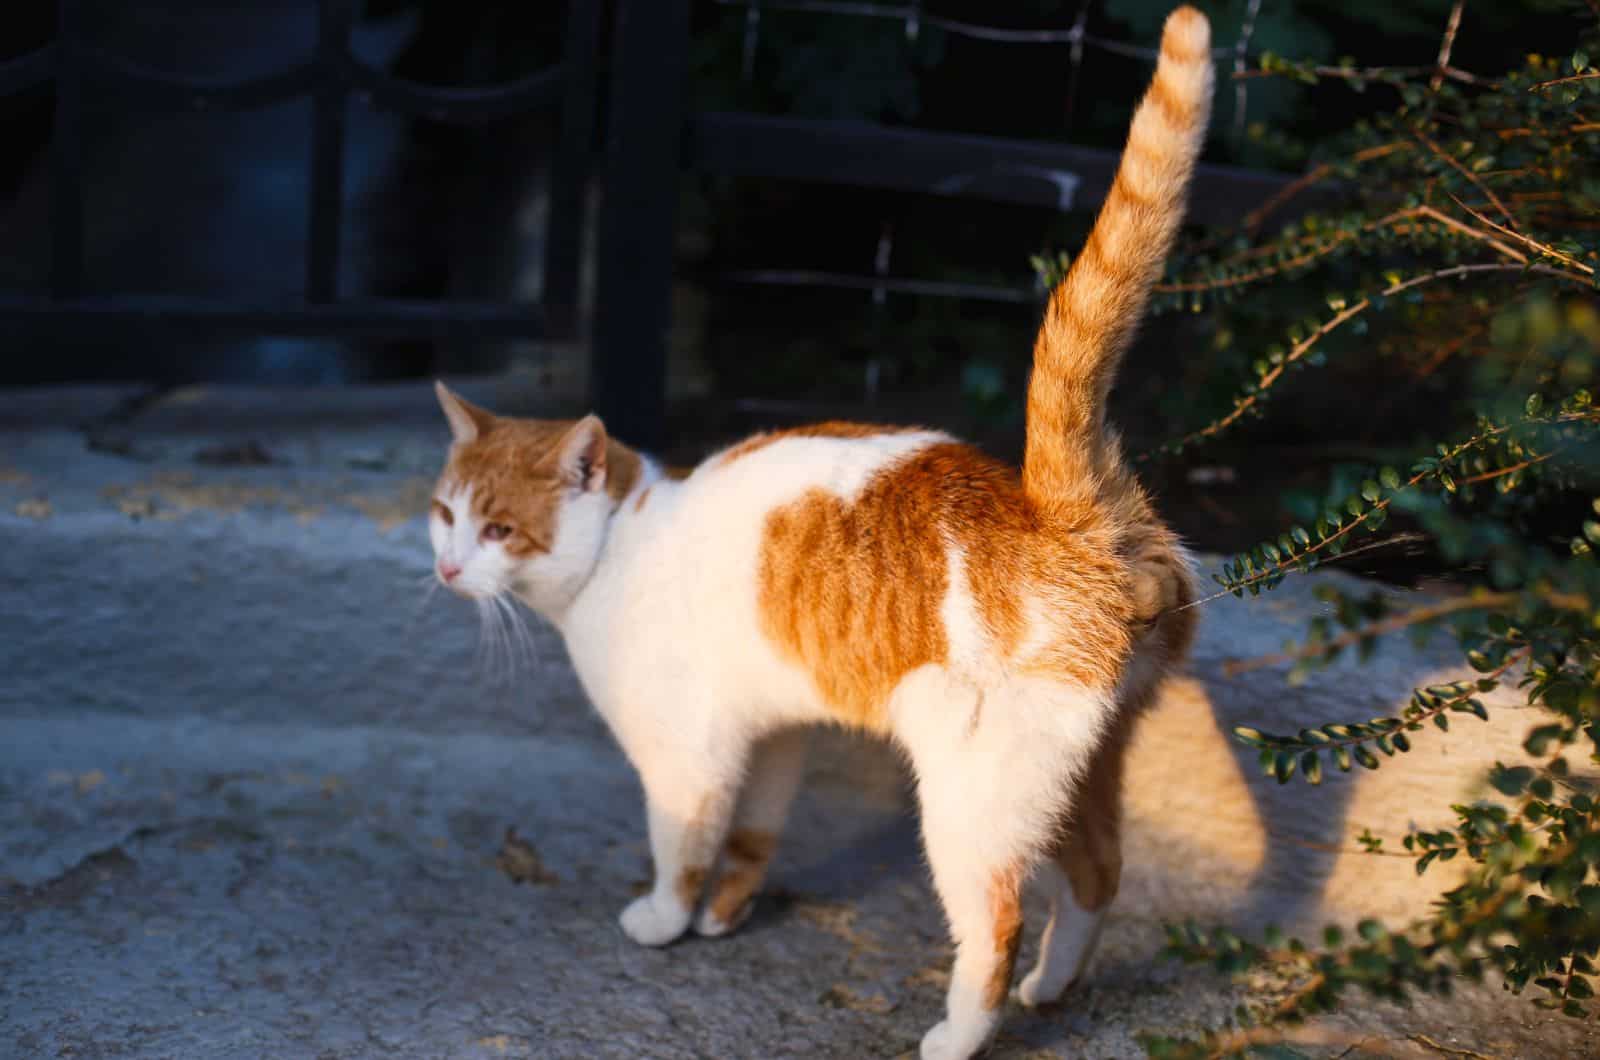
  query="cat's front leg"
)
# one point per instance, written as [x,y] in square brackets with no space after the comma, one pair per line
[688,809]
[776,767]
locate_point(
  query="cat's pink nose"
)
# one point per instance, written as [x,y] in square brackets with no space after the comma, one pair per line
[448,571]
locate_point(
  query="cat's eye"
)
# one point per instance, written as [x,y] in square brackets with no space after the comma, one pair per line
[496,532]
[443,511]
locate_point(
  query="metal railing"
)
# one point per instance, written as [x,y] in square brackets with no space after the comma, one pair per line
[330,76]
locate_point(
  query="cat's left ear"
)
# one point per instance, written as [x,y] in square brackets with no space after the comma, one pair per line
[467,421]
[582,455]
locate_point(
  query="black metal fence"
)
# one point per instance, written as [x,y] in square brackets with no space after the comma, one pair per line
[651,136]
[330,77]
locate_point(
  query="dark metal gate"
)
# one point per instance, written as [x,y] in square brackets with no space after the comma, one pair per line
[651,138]
[330,77]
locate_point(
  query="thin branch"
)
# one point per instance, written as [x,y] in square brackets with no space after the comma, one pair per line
[1514,468]
[1542,85]
[1406,619]
[1447,44]
[1471,177]
[1541,248]
[1304,346]
[1294,562]
[1327,247]
[1467,230]
[1429,1043]
[1254,218]
[1289,565]
[1240,50]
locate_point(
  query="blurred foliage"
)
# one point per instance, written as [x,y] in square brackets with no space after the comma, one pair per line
[1468,239]
[841,66]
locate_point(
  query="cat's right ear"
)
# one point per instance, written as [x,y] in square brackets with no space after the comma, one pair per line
[467,421]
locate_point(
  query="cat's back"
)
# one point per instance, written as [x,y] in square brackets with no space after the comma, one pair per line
[863,552]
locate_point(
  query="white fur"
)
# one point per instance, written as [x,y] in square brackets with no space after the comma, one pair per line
[659,609]
[1068,943]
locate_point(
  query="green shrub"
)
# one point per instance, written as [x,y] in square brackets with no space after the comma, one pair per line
[1470,242]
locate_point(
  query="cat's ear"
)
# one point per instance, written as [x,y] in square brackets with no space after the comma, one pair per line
[467,421]
[581,455]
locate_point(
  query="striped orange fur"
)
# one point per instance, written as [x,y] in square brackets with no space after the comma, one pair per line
[1092,313]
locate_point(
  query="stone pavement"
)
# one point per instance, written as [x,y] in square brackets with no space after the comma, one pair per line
[256,787]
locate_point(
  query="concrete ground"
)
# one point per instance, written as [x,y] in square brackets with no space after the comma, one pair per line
[259,797]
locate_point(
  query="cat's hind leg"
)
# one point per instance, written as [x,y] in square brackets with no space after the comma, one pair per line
[1081,877]
[1084,867]
[771,781]
[993,779]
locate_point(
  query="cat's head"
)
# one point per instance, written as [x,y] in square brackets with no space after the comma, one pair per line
[521,505]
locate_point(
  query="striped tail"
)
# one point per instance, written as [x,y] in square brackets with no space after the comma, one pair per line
[1093,312]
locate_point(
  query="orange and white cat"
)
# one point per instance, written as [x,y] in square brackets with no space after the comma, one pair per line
[1003,628]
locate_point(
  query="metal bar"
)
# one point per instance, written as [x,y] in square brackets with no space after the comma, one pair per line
[327,152]
[569,178]
[130,80]
[1029,172]
[460,106]
[634,309]
[972,30]
[365,317]
[981,292]
[66,160]
[27,71]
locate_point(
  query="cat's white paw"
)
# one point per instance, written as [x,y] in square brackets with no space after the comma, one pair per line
[949,1041]
[712,926]
[651,922]
[1035,989]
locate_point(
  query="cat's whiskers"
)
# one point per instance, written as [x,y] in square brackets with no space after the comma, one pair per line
[520,639]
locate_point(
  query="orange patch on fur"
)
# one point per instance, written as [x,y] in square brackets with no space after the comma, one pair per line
[623,468]
[853,591]
[745,859]
[644,495]
[1005,909]
[691,881]
[828,429]
[1089,849]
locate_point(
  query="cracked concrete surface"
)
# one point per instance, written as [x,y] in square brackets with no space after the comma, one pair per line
[253,789]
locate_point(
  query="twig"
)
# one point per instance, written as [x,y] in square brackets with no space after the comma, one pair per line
[1447,44]
[1240,50]
[1424,1040]
[1562,81]
[1304,346]
[1548,251]
[1327,247]
[1467,230]
[1293,562]
[1254,218]
[1371,546]
[1471,177]
[1404,620]
[1514,468]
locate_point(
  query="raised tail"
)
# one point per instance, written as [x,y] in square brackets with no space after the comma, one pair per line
[1094,311]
